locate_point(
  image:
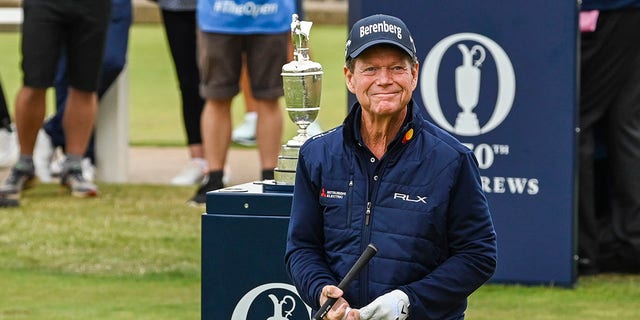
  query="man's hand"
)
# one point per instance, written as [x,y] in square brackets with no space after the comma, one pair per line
[390,306]
[340,310]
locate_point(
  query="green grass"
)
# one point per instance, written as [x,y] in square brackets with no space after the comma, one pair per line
[38,295]
[134,252]
[140,231]
[600,297]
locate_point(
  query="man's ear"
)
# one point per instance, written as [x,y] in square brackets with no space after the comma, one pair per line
[348,77]
[415,72]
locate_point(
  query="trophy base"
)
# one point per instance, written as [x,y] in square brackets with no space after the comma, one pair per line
[289,151]
[287,163]
[284,176]
[467,124]
[285,172]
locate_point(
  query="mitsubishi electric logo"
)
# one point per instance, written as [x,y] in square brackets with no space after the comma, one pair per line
[473,50]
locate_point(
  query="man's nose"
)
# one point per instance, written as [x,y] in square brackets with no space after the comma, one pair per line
[384,76]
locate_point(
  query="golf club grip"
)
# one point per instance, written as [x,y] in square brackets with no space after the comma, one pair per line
[364,258]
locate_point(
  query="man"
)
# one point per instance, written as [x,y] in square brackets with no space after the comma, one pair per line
[388,177]
[226,30]
[81,27]
[52,134]
[609,207]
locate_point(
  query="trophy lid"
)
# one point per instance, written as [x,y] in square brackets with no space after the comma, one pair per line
[301,63]
[300,38]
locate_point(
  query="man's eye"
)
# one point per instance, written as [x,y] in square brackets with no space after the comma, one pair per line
[369,70]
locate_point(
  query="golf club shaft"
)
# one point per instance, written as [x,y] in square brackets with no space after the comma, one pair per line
[364,258]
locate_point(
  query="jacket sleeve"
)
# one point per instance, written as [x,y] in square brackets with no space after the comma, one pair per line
[471,244]
[304,257]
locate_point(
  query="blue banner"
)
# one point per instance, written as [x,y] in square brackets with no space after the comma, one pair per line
[501,76]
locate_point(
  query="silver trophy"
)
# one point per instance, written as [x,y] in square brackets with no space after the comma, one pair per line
[302,82]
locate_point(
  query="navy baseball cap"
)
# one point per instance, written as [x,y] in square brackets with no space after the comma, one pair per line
[377,29]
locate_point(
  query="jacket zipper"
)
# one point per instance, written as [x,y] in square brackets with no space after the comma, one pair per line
[349,201]
[367,214]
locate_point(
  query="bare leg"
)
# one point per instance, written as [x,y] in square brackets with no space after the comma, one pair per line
[196,151]
[30,111]
[216,132]
[79,119]
[269,132]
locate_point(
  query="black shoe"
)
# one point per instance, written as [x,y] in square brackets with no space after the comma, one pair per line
[586,267]
[625,259]
[8,203]
[200,198]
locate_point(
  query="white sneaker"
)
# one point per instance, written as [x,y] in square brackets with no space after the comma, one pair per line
[9,147]
[226,174]
[245,133]
[57,166]
[42,155]
[313,129]
[192,173]
[88,170]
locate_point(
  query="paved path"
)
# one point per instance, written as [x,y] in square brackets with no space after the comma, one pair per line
[157,165]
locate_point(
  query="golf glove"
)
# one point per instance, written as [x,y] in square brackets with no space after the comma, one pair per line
[390,306]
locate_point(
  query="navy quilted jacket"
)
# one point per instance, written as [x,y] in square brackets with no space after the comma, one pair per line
[422,205]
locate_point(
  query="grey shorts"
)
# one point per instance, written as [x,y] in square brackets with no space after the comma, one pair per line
[220,63]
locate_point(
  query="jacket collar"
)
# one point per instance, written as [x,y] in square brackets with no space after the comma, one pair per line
[353,120]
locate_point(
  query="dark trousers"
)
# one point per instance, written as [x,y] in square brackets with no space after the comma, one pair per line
[5,118]
[609,233]
[180,28]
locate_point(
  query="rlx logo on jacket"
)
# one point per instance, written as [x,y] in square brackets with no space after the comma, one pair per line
[406,197]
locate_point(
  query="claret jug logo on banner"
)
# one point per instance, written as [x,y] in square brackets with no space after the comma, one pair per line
[468,87]
[272,301]
[471,50]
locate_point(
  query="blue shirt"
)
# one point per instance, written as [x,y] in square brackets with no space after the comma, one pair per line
[245,16]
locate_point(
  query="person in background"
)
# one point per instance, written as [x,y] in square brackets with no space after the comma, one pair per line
[52,134]
[179,22]
[245,133]
[223,37]
[388,177]
[49,26]
[609,235]
[9,149]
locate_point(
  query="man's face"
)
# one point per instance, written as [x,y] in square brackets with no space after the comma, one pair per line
[383,79]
